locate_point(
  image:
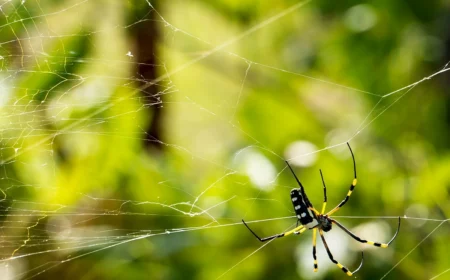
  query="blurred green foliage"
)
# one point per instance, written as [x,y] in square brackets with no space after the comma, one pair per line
[91,191]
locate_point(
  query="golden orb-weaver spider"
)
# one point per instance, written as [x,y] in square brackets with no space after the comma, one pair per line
[310,218]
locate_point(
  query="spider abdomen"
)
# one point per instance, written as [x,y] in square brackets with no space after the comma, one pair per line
[301,209]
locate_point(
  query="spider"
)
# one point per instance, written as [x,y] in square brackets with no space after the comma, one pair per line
[310,218]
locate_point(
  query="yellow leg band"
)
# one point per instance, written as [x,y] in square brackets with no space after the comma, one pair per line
[298,229]
[314,210]
[354,182]
[323,207]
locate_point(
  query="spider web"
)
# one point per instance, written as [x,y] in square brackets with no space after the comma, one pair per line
[79,186]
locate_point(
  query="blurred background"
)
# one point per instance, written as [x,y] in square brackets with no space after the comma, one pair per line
[135,135]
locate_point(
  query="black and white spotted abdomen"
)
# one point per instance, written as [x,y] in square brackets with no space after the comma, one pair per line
[301,209]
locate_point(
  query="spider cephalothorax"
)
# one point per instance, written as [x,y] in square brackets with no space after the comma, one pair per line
[310,218]
[325,223]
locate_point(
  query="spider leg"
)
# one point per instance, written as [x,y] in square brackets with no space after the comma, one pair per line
[324,193]
[314,249]
[302,190]
[348,272]
[382,245]
[352,186]
[296,230]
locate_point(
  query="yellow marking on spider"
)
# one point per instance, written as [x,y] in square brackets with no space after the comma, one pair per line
[354,182]
[315,270]
[299,229]
[314,210]
[333,211]
[323,207]
[349,193]
[384,245]
[346,270]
